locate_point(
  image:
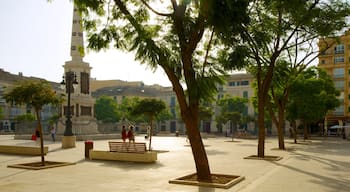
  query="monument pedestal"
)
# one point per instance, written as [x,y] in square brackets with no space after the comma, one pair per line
[68,142]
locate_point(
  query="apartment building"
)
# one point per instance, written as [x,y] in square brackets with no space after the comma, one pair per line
[335,59]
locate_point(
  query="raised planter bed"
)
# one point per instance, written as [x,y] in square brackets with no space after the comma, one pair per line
[147,157]
[22,150]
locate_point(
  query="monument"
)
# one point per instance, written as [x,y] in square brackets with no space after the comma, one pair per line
[81,102]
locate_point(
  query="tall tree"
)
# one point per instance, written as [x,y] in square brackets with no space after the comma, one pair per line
[274,25]
[312,95]
[150,108]
[178,36]
[284,76]
[36,94]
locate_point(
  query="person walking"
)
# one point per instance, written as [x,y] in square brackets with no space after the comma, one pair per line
[123,133]
[53,133]
[131,135]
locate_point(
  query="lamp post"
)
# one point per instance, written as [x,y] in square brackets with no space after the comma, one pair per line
[69,83]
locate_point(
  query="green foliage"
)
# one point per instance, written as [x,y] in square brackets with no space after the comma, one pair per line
[33,93]
[232,108]
[148,107]
[25,117]
[1,113]
[312,95]
[125,109]
[54,118]
[205,113]
[106,110]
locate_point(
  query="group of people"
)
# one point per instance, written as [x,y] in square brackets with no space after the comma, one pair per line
[128,135]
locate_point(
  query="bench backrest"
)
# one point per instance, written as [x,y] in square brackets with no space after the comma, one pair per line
[127,147]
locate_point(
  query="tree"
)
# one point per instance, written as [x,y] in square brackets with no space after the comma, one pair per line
[150,108]
[106,110]
[233,109]
[284,76]
[36,94]
[312,95]
[177,36]
[125,108]
[276,28]
[25,117]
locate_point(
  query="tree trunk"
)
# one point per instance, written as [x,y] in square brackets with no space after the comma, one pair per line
[261,134]
[41,137]
[278,123]
[198,150]
[280,130]
[306,135]
[295,135]
[150,134]
[232,130]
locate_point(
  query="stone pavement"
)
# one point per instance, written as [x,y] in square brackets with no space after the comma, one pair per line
[322,165]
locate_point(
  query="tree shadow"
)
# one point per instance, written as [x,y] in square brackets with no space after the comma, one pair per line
[332,183]
[126,165]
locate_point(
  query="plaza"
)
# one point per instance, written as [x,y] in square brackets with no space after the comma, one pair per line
[321,164]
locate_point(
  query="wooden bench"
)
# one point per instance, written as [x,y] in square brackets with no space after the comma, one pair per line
[126,147]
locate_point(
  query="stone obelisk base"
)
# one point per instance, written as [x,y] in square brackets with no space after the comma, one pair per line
[68,141]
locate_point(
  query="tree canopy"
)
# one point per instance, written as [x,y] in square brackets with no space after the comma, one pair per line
[106,110]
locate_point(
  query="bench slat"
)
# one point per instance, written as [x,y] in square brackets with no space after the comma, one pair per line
[125,147]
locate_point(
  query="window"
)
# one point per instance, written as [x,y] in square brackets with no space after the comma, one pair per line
[245,94]
[73,48]
[339,85]
[338,59]
[339,49]
[323,62]
[172,101]
[74,33]
[338,72]
[245,83]
[220,96]
[232,83]
[339,110]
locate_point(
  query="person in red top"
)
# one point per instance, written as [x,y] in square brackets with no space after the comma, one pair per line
[124,135]
[131,134]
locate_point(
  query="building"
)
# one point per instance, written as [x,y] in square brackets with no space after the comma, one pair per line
[10,112]
[335,60]
[238,85]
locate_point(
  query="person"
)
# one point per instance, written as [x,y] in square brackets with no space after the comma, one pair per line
[131,135]
[37,135]
[53,133]
[124,135]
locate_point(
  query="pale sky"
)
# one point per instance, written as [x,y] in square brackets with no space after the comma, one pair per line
[35,39]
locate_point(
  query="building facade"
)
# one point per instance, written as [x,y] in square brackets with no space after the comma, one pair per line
[335,60]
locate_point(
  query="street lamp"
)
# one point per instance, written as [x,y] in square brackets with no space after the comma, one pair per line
[69,82]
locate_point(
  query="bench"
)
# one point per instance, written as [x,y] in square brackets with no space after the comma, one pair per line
[125,147]
[119,151]
[22,150]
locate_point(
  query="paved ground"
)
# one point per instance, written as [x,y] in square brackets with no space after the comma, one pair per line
[321,165]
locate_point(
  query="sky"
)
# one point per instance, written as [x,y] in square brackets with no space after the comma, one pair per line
[35,39]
